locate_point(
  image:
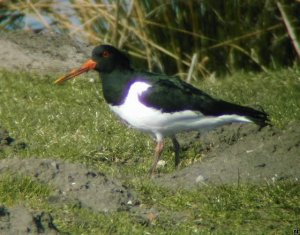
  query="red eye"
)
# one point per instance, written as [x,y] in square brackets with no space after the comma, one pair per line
[106,54]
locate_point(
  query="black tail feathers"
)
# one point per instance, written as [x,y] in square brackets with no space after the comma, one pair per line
[258,116]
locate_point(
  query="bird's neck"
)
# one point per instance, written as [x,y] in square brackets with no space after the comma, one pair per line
[115,85]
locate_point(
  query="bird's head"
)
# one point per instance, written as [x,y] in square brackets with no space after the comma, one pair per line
[105,59]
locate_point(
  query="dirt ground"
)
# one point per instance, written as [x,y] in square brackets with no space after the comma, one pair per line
[242,154]
[231,154]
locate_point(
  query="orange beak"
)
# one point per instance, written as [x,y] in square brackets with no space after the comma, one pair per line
[90,64]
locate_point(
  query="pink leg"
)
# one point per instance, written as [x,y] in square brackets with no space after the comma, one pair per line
[158,150]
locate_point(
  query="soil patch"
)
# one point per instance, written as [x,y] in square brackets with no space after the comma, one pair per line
[19,220]
[73,183]
[42,53]
[241,154]
[7,141]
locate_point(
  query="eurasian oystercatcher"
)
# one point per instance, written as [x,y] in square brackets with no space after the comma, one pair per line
[159,104]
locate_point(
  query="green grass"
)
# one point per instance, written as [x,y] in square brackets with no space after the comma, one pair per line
[69,122]
[277,92]
[14,189]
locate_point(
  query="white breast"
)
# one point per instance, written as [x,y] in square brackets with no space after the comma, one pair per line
[133,111]
[161,123]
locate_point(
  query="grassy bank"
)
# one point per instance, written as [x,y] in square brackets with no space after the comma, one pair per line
[72,122]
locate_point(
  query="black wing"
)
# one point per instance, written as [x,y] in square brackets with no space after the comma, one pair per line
[171,94]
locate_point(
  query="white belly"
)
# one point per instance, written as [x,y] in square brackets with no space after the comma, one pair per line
[163,124]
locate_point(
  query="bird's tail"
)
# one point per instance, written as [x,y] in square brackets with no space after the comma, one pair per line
[259,117]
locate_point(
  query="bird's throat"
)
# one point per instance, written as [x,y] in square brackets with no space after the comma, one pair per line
[115,86]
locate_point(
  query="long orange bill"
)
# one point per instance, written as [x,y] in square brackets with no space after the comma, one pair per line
[90,64]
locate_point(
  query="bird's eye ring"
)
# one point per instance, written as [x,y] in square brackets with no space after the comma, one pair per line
[106,54]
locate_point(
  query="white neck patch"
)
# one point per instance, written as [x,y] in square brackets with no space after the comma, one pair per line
[135,90]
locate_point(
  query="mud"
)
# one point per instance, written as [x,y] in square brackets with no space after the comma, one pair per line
[5,139]
[237,154]
[19,220]
[73,184]
[42,53]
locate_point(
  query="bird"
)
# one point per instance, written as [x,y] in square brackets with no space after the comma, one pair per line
[158,104]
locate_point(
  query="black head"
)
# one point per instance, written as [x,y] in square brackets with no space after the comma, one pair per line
[105,59]
[108,58]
